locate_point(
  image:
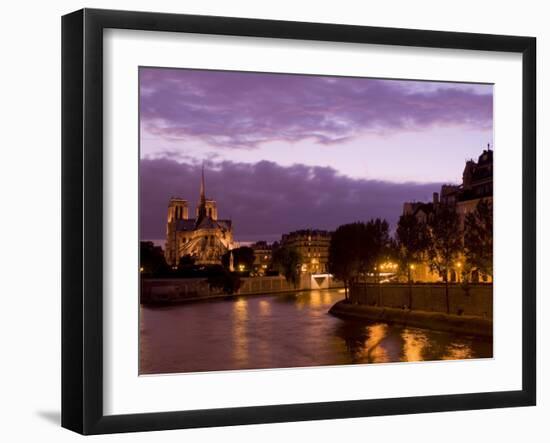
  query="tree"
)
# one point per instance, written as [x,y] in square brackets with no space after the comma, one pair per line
[243,258]
[411,244]
[478,238]
[186,267]
[186,262]
[377,244]
[346,254]
[219,277]
[287,261]
[151,259]
[377,247]
[445,243]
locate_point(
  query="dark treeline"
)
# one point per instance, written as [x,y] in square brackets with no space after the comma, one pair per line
[226,276]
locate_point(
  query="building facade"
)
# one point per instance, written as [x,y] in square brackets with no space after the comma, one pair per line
[313,246]
[477,185]
[263,255]
[204,238]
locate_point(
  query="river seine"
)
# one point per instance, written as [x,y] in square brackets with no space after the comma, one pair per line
[282,331]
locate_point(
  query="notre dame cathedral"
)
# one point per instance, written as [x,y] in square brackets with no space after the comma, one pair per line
[205,238]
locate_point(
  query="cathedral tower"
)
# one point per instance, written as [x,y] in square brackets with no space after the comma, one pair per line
[178,209]
[204,239]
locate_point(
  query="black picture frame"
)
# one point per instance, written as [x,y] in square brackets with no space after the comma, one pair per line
[82,218]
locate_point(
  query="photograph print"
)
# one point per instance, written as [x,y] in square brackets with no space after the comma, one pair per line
[291,220]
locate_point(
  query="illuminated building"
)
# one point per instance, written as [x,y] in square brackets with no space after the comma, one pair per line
[312,245]
[477,185]
[263,254]
[205,238]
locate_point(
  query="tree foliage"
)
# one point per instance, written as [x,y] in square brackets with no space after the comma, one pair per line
[377,244]
[186,267]
[221,278]
[345,254]
[412,242]
[445,243]
[186,262]
[287,261]
[478,238]
[151,259]
[243,256]
[356,249]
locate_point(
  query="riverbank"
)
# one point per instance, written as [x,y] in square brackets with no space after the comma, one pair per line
[461,324]
[183,290]
[218,296]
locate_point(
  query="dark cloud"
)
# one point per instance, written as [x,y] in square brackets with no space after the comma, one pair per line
[265,200]
[235,109]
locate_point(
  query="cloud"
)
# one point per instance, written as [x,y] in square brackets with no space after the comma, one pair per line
[243,110]
[265,200]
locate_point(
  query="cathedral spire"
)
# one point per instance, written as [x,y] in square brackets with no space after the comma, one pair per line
[202,196]
[201,212]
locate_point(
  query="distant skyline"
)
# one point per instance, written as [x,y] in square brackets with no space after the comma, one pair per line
[286,152]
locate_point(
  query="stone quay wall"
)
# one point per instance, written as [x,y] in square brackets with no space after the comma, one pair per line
[438,321]
[265,285]
[469,300]
[164,290]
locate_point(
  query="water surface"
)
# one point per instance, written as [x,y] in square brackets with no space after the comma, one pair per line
[281,331]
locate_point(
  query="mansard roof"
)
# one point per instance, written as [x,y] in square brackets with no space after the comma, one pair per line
[481,170]
[306,232]
[427,208]
[485,158]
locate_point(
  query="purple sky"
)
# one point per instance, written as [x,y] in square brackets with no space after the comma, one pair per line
[285,152]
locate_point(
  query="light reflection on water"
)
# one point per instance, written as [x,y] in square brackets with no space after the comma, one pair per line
[281,331]
[240,332]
